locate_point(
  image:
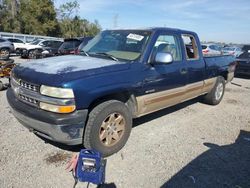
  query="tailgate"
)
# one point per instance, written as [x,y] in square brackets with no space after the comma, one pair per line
[243,66]
[244,63]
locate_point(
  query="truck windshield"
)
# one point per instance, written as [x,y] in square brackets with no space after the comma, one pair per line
[125,45]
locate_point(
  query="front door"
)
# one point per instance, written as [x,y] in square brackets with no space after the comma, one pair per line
[164,84]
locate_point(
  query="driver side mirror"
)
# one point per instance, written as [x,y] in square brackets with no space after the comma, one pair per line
[163,58]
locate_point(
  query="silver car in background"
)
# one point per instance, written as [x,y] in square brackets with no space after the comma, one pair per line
[6,47]
[235,51]
[211,49]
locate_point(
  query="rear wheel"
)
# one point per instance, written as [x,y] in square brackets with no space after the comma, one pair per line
[4,53]
[216,94]
[1,86]
[108,127]
[32,54]
[18,52]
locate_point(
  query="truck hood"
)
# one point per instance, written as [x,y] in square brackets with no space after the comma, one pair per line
[55,71]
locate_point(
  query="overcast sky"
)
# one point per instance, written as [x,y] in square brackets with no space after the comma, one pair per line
[213,20]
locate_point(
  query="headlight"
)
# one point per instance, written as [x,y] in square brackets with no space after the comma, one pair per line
[56,108]
[63,93]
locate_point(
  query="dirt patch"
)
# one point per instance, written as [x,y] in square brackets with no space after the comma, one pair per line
[57,158]
[232,101]
[238,90]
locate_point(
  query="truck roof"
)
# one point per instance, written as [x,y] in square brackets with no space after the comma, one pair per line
[155,29]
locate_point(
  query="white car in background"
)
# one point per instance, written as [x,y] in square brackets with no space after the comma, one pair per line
[29,48]
[37,46]
[211,49]
[235,51]
[18,44]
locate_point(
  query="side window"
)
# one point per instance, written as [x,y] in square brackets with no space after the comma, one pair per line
[216,48]
[45,43]
[190,43]
[169,44]
[17,41]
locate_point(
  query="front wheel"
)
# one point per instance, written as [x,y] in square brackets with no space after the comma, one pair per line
[108,127]
[215,96]
[32,54]
[1,86]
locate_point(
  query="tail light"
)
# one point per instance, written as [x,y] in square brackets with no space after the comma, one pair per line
[233,66]
[78,51]
[205,51]
[72,52]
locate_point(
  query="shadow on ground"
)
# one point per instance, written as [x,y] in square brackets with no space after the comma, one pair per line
[225,166]
[75,148]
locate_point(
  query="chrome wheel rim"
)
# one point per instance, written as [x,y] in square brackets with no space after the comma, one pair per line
[32,54]
[219,91]
[112,129]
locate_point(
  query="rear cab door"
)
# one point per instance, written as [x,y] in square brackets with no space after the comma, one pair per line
[195,65]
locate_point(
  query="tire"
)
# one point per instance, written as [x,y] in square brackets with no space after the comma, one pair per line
[108,127]
[18,53]
[32,54]
[215,96]
[1,86]
[4,53]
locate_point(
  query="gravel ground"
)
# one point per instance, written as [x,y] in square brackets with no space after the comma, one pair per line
[189,145]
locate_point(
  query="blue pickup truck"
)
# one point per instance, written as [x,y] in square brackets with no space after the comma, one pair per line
[91,98]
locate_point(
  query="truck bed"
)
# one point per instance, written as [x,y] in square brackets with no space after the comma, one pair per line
[217,64]
[219,61]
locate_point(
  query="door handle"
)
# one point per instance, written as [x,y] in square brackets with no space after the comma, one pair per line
[183,71]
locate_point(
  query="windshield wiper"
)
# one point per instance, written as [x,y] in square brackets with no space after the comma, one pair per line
[83,52]
[107,55]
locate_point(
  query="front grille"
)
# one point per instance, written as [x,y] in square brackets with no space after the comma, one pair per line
[29,86]
[28,100]
[24,90]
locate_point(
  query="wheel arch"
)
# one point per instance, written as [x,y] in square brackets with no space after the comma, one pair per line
[124,96]
[224,74]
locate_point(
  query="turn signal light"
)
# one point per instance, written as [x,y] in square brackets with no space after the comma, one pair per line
[57,109]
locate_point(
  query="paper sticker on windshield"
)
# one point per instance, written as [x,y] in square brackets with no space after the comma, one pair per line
[135,37]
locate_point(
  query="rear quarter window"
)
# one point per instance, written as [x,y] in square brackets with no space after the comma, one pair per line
[212,47]
[72,44]
[192,52]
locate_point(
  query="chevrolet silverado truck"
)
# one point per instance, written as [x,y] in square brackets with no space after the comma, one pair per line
[92,98]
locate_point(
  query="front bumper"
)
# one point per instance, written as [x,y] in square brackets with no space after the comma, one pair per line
[62,128]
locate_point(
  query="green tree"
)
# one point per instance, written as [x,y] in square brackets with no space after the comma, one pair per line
[41,18]
[38,17]
[71,23]
[9,16]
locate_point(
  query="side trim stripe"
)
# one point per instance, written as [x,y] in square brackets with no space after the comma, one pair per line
[155,101]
